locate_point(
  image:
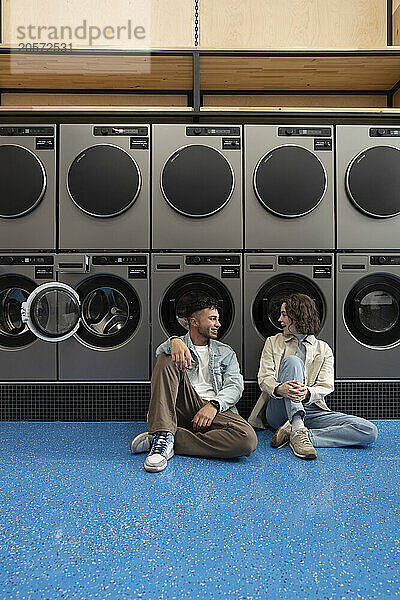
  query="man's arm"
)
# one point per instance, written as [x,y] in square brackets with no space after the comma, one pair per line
[178,350]
[232,387]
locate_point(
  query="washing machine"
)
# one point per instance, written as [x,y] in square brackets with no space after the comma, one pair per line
[368,319]
[28,196]
[368,187]
[98,312]
[104,187]
[197,187]
[23,355]
[289,187]
[176,278]
[268,278]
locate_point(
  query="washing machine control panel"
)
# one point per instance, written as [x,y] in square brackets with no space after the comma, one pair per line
[221,131]
[380,132]
[120,130]
[305,132]
[119,260]
[26,260]
[27,131]
[384,260]
[304,260]
[212,260]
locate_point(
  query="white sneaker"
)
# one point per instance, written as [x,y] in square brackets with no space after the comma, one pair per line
[162,449]
[142,442]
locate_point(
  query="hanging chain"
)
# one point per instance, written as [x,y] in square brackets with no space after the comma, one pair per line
[196,22]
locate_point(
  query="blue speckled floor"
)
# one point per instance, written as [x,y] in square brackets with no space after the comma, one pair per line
[80,518]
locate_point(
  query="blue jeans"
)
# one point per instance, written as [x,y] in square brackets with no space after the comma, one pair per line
[327,429]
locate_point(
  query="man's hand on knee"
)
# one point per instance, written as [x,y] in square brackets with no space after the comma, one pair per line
[204,417]
[293,390]
[180,354]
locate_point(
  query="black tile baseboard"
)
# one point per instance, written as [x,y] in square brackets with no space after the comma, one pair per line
[129,401]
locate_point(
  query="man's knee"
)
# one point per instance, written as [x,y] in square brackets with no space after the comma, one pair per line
[164,364]
[247,443]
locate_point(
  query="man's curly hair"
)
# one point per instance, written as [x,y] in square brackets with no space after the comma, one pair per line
[302,312]
[197,303]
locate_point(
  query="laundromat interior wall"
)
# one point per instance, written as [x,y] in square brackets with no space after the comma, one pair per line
[288,63]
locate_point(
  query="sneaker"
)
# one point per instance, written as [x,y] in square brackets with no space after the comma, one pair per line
[301,445]
[282,436]
[162,449]
[142,442]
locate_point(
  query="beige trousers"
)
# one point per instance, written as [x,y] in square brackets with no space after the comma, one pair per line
[173,404]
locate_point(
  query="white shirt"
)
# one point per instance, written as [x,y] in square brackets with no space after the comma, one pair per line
[202,382]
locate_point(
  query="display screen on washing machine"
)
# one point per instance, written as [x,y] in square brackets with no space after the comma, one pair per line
[197,181]
[104,180]
[290,181]
[373,181]
[22,180]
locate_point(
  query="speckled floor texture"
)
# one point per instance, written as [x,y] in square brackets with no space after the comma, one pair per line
[81,519]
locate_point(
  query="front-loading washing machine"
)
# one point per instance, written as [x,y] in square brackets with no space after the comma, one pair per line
[368,187]
[104,187]
[268,278]
[368,316]
[197,187]
[289,187]
[28,188]
[23,355]
[177,278]
[98,311]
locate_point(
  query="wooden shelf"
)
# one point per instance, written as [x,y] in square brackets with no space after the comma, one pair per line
[299,109]
[94,109]
[332,71]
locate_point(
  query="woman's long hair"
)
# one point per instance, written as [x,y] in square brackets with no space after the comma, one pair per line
[303,314]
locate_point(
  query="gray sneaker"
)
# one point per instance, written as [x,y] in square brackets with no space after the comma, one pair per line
[142,442]
[162,449]
[301,445]
[282,436]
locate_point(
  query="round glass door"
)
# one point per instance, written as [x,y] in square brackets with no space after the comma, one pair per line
[290,181]
[267,304]
[22,180]
[104,181]
[185,290]
[373,181]
[52,312]
[197,181]
[372,311]
[111,312]
[14,291]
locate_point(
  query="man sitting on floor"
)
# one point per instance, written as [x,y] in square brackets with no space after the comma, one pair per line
[195,385]
[295,374]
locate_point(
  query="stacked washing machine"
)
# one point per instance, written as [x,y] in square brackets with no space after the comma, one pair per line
[74,296]
[368,260]
[198,225]
[289,228]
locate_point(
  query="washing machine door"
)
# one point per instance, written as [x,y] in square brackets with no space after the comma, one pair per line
[267,304]
[14,291]
[104,181]
[197,181]
[371,311]
[52,312]
[373,181]
[22,181]
[290,181]
[110,313]
[183,291]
